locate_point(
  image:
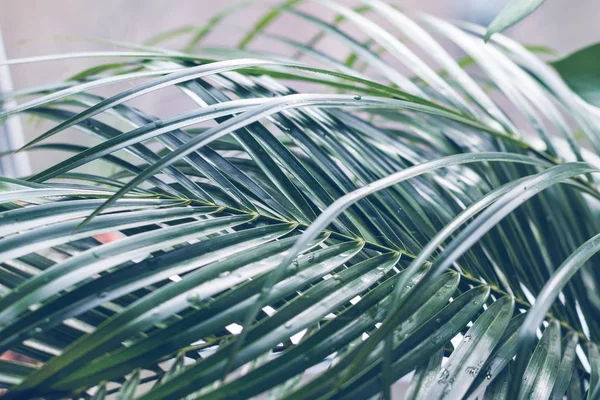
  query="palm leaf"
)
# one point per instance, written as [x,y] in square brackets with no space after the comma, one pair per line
[386,211]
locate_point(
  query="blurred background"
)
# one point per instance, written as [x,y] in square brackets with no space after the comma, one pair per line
[38,27]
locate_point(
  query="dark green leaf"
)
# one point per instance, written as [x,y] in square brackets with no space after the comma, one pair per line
[581,72]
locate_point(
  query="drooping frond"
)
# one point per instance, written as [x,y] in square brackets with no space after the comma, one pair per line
[395,209]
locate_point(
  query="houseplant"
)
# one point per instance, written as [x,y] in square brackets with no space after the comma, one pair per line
[396,215]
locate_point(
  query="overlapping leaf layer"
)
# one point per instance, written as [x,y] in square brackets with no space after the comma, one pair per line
[357,218]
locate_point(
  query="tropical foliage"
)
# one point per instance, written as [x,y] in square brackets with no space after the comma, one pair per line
[398,209]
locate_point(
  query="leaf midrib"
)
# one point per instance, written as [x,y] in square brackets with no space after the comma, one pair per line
[383,248]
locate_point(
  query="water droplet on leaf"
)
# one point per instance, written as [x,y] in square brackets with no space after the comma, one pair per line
[193,298]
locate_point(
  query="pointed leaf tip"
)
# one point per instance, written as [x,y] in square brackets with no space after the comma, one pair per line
[512,13]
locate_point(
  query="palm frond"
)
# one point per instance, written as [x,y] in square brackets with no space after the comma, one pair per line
[389,211]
